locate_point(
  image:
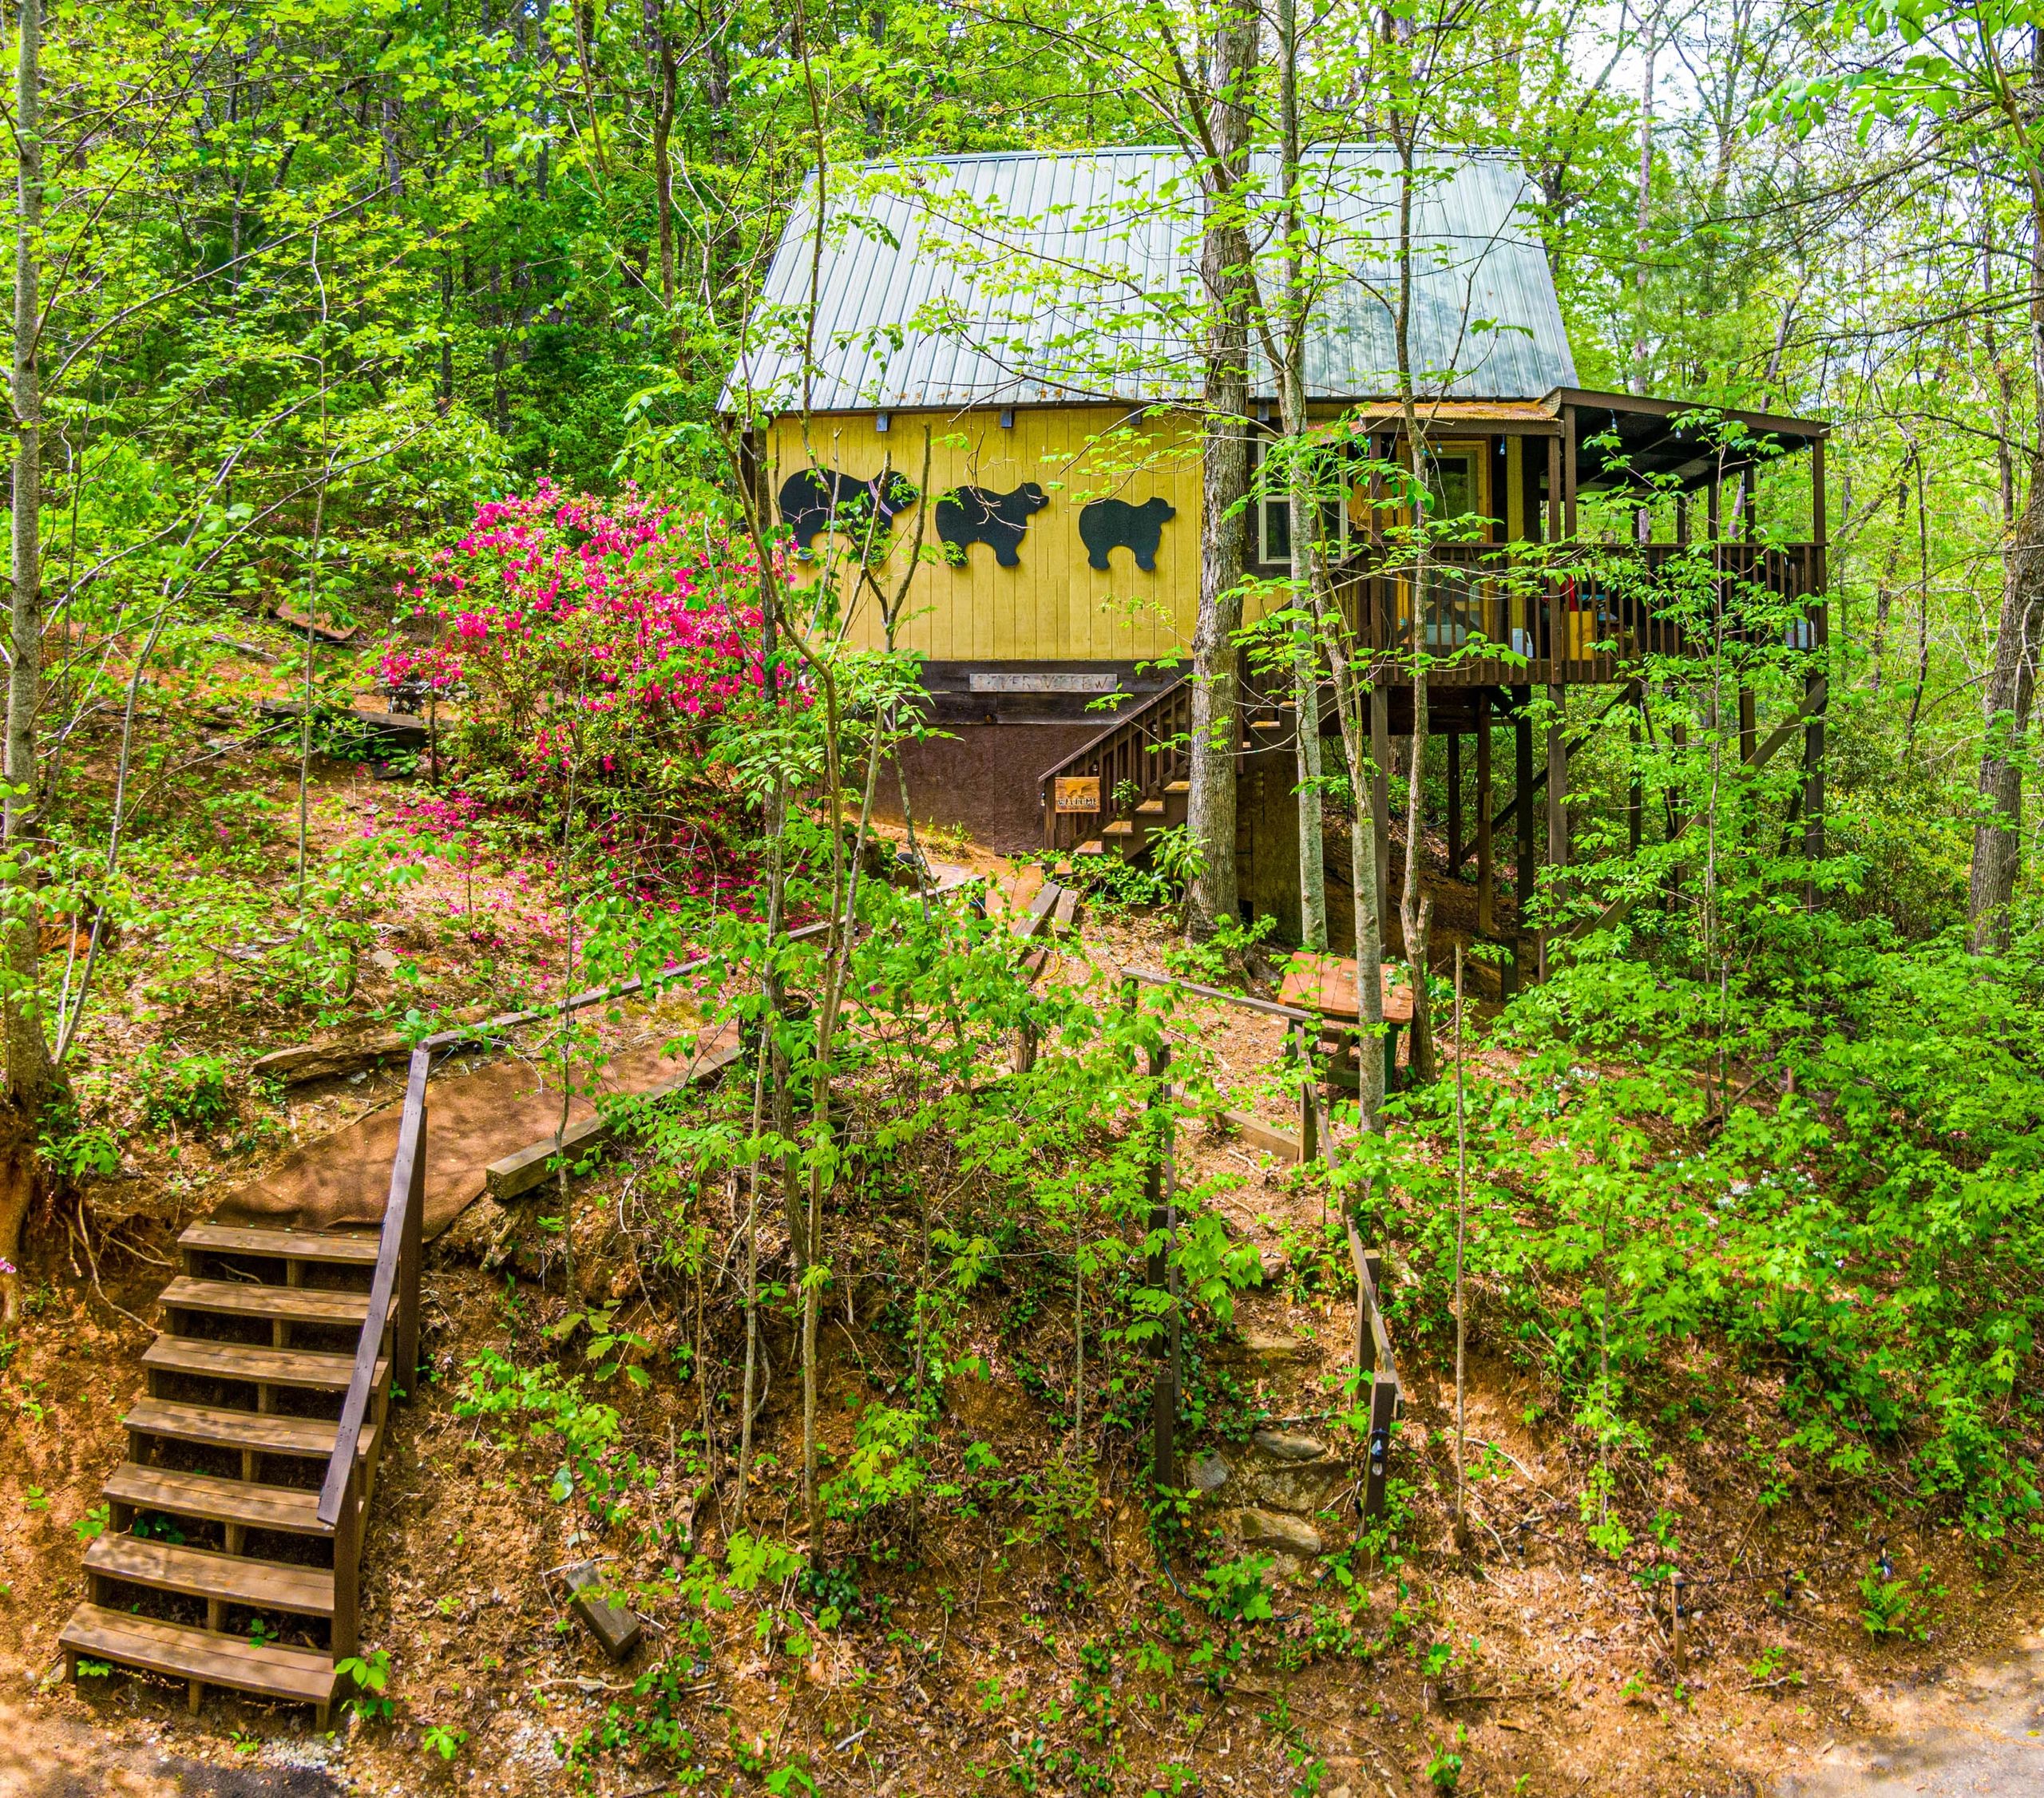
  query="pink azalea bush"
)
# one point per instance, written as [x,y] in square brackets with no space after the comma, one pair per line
[603,640]
[622,627]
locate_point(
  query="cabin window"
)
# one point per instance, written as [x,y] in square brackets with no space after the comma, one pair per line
[1273,509]
[1454,484]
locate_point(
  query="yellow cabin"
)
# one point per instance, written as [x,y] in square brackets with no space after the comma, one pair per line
[974,395]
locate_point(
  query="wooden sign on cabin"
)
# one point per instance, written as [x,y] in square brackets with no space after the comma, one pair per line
[1078,793]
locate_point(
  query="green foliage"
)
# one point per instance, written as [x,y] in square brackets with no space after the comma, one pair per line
[555,1413]
[369,1677]
[192,1090]
[1444,1764]
[443,1740]
[1236,1591]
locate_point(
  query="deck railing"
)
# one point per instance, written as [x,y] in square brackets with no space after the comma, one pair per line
[1582,617]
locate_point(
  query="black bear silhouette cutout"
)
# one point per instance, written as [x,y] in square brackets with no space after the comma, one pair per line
[970,515]
[1115,525]
[814,501]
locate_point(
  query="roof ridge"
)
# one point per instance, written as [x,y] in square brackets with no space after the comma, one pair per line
[1480,152]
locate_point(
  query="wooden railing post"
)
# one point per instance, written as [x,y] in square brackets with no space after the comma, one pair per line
[346,1635]
[1377,1470]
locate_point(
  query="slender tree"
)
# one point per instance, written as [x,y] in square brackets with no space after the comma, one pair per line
[31,1074]
[1232,46]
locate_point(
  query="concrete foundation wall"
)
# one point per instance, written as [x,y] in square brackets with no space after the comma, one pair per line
[982,778]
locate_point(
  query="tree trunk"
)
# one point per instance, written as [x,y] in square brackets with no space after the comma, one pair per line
[656,28]
[28,1069]
[1224,522]
[2011,685]
[1302,506]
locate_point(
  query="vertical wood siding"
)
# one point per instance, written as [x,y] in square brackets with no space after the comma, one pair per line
[1053,607]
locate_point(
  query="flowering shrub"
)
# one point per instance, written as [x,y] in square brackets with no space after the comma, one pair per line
[604,639]
[568,622]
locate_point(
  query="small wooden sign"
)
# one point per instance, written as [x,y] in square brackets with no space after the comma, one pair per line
[1043,681]
[1078,793]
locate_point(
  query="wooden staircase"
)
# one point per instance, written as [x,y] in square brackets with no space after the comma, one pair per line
[232,1553]
[1142,763]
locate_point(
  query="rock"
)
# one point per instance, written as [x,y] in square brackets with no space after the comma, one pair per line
[1208,1472]
[1271,1266]
[476,1232]
[1274,1349]
[1281,1446]
[1272,1529]
[1306,1486]
[1293,1472]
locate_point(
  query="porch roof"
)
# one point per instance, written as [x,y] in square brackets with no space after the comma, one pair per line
[1688,440]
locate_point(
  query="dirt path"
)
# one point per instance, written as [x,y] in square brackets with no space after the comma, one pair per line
[1974,1729]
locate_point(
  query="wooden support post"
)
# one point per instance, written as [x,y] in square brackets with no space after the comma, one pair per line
[1678,738]
[1749,726]
[1486,886]
[1813,777]
[1678,1623]
[1383,1380]
[1380,800]
[346,1636]
[1813,733]
[1557,807]
[1454,800]
[1521,756]
[1635,794]
[1568,473]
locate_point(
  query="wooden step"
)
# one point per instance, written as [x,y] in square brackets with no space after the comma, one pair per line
[1180,786]
[271,1671]
[1121,827]
[298,1368]
[1150,808]
[1094,848]
[256,1431]
[291,1305]
[199,1573]
[330,1249]
[286,1509]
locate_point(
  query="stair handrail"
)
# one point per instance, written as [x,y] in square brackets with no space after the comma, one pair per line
[395,1283]
[1121,723]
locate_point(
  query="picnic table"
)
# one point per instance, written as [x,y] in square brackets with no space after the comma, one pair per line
[1326,985]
